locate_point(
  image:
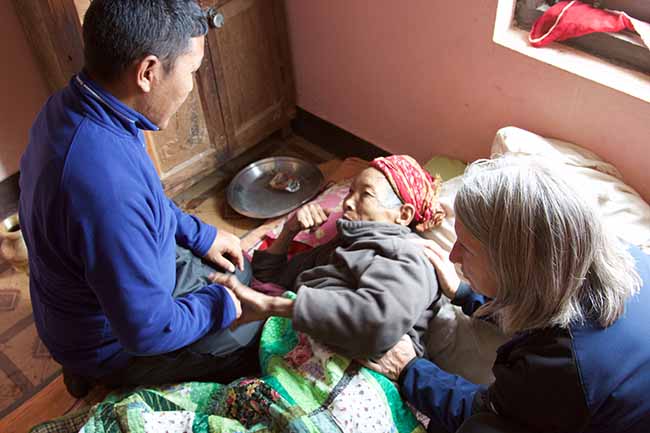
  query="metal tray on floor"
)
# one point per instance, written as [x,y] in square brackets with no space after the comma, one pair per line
[249,192]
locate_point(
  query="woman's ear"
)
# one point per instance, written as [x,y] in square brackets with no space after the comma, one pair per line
[405,215]
[147,71]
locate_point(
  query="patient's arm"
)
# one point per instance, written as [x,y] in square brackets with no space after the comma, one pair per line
[271,265]
[308,217]
[255,305]
[275,268]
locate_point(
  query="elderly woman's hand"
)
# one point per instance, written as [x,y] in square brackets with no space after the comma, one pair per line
[439,258]
[310,216]
[394,361]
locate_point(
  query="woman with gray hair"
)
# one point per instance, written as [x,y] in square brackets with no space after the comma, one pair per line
[541,265]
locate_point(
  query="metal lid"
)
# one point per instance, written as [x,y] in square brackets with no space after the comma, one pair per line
[250,194]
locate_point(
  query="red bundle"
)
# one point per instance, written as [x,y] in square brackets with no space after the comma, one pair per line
[570,19]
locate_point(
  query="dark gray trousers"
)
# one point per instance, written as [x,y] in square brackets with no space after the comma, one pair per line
[489,423]
[220,356]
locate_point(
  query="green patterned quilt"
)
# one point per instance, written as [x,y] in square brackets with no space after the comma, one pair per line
[305,388]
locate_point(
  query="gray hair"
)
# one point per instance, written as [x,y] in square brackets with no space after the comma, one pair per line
[554,261]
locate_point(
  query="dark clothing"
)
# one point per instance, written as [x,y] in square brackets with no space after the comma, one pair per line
[582,379]
[220,356]
[486,422]
[362,291]
[102,235]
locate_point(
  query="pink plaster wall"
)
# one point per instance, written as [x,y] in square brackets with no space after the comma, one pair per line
[424,77]
[22,90]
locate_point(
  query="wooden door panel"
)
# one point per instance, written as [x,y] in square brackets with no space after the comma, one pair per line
[185,150]
[246,51]
[186,135]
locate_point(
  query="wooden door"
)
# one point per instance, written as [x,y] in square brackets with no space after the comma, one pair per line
[194,142]
[249,54]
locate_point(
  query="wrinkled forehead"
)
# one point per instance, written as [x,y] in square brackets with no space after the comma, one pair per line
[371,177]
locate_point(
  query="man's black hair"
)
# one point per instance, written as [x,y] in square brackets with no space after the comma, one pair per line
[119,32]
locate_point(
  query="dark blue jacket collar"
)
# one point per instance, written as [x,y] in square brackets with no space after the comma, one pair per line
[127,116]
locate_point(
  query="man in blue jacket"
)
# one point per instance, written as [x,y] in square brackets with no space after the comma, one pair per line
[118,273]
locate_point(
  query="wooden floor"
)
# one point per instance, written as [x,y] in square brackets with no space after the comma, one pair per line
[207,201]
[51,402]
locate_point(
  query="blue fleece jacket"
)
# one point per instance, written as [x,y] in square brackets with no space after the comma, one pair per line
[101,236]
[582,379]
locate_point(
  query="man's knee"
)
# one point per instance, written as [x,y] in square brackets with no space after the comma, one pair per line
[245,276]
[226,341]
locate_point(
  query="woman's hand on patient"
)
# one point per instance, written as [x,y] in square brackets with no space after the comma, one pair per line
[445,269]
[394,361]
[254,305]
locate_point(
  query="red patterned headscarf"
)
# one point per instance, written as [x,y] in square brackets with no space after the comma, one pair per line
[413,185]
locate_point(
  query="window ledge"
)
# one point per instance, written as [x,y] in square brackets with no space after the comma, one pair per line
[633,83]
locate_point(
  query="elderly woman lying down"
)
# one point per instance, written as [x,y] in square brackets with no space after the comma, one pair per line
[371,284]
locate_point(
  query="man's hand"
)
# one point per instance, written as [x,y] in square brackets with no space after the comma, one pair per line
[235,301]
[445,269]
[310,216]
[255,305]
[225,243]
[394,361]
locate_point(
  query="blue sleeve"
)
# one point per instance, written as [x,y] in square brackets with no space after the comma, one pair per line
[192,233]
[468,300]
[445,398]
[122,234]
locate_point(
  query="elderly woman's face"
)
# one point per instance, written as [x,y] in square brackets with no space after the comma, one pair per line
[363,201]
[472,256]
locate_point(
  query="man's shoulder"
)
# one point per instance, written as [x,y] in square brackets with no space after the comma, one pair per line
[103,169]
[93,137]
[97,151]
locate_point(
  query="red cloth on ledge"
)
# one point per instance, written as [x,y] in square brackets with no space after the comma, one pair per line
[570,19]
